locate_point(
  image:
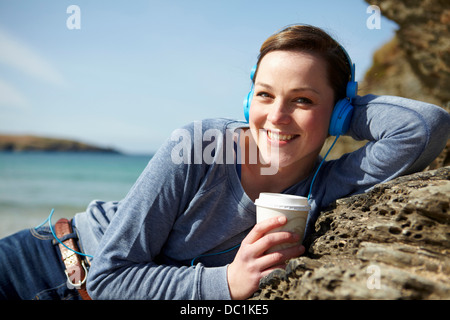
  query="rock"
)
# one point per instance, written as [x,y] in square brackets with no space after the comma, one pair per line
[392,242]
[17,143]
[416,64]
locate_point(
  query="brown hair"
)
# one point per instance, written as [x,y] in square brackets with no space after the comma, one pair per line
[309,39]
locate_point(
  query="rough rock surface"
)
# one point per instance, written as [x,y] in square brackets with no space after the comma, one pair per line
[392,242]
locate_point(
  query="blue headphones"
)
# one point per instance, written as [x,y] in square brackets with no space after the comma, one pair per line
[343,109]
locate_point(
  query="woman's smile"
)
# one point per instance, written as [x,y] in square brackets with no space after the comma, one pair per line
[280,137]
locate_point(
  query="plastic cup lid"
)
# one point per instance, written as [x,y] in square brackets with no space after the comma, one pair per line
[282,201]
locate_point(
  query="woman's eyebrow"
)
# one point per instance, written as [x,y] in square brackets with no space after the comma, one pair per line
[265,85]
[268,86]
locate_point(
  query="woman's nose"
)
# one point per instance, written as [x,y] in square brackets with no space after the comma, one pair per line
[279,113]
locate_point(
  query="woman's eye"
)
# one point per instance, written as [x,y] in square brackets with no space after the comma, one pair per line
[263,94]
[303,101]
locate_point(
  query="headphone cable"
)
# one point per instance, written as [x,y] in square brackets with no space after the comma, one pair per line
[320,165]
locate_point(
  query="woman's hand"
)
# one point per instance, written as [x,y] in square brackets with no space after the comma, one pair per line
[252,263]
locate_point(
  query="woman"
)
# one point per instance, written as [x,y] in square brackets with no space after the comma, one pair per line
[186,229]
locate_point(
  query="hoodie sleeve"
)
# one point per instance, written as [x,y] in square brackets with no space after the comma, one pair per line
[126,264]
[404,136]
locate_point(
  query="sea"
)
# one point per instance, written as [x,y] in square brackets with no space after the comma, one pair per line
[34,183]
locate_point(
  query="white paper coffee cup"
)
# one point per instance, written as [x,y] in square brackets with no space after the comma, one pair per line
[294,208]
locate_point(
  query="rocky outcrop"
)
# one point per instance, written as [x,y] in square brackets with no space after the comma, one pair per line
[13,143]
[416,63]
[390,243]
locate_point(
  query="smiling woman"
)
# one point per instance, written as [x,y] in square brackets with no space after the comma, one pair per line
[300,75]
[292,107]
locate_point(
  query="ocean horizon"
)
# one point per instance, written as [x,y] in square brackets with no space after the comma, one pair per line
[34,183]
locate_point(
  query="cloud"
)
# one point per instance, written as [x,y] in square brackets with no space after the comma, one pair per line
[11,97]
[16,54]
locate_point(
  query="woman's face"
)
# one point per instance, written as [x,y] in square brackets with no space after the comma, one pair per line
[291,108]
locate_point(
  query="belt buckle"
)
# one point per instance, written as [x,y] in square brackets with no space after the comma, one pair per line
[78,285]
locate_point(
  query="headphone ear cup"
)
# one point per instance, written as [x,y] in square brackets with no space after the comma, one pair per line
[341,118]
[247,103]
[352,89]
[248,99]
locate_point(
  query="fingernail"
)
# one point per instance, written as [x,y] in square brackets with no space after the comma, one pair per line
[282,219]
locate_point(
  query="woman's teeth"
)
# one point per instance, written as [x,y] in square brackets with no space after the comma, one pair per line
[280,137]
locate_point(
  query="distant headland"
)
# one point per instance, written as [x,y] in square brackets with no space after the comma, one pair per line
[22,143]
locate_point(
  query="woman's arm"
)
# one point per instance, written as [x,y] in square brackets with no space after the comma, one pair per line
[416,131]
[126,266]
[403,135]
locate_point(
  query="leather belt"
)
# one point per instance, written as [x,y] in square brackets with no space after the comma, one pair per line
[76,271]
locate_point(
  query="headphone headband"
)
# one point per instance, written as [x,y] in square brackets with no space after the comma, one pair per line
[352,85]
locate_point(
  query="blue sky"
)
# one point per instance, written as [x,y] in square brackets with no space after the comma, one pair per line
[137,70]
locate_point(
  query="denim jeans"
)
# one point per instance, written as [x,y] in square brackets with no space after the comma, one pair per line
[31,267]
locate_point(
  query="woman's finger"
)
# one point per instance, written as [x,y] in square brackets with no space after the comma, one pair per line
[270,240]
[275,259]
[261,228]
